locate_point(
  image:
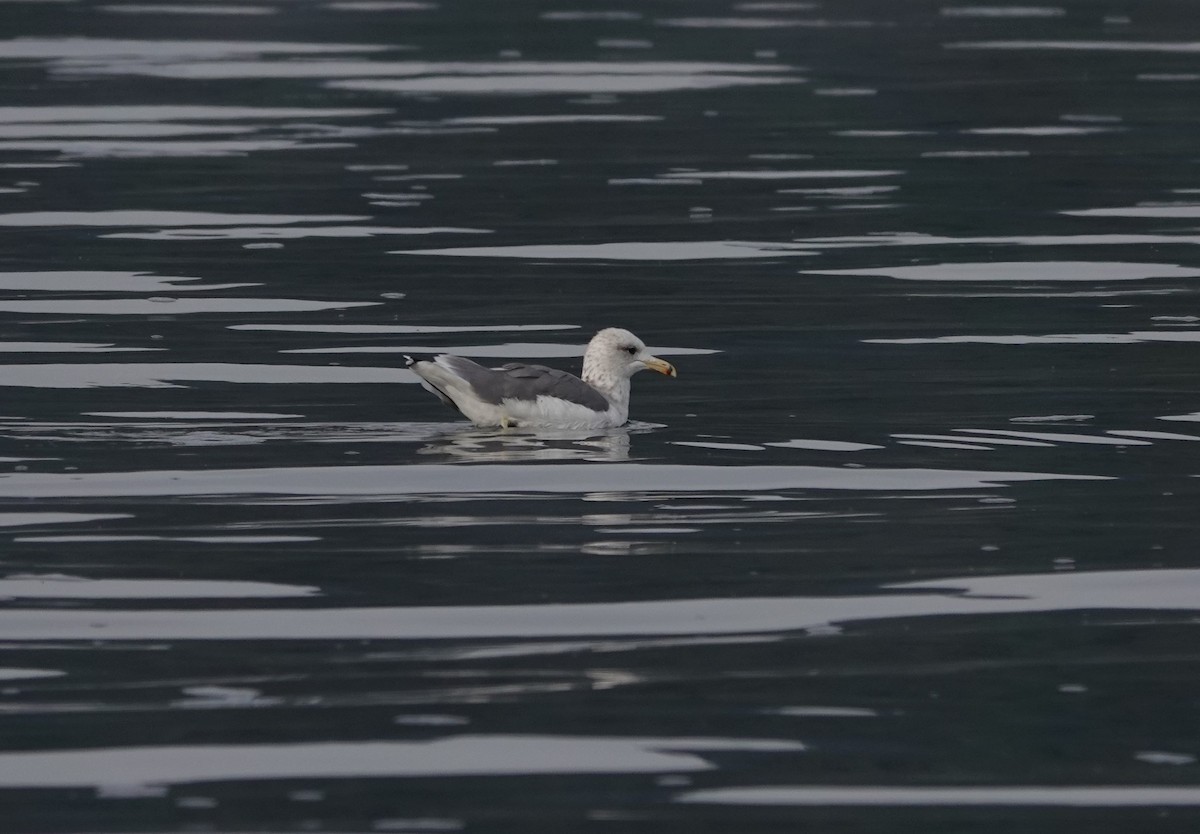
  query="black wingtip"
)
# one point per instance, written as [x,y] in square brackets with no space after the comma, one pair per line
[409,360]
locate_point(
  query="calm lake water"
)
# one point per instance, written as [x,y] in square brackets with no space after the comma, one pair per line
[910,544]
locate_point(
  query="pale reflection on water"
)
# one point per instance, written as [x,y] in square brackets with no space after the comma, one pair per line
[513,445]
[1165,590]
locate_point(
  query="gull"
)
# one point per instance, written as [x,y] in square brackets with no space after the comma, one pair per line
[536,396]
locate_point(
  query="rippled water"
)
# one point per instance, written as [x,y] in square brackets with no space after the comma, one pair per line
[910,544]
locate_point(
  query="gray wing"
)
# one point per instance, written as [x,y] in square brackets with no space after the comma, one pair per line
[528,382]
[517,381]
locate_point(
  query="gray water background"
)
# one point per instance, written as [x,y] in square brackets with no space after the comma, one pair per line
[910,544]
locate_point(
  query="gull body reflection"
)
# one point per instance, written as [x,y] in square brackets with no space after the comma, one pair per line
[536,444]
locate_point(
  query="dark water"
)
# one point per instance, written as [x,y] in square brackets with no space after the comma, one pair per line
[910,544]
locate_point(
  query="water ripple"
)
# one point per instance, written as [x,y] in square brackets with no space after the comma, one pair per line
[462,755]
[433,479]
[629,251]
[1137,590]
[60,586]
[952,796]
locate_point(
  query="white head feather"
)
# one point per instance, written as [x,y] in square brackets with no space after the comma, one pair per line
[613,356]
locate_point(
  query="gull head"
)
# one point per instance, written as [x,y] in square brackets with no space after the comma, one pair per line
[614,354]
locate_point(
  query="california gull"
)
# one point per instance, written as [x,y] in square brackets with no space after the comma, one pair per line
[534,395]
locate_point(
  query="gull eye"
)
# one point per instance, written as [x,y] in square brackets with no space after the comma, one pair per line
[631,350]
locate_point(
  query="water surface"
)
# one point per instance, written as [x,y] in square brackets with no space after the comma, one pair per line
[908,545]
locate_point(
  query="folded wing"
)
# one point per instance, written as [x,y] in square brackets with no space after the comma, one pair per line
[452,378]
